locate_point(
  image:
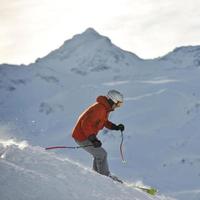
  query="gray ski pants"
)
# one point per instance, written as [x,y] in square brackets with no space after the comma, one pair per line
[100,162]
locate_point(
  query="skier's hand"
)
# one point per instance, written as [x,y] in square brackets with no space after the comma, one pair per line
[96,143]
[121,127]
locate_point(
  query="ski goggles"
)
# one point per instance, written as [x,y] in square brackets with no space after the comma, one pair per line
[119,104]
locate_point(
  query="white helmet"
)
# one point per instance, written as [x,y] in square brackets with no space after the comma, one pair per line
[115,96]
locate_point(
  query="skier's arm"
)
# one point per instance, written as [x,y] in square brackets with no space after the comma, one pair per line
[113,126]
[109,125]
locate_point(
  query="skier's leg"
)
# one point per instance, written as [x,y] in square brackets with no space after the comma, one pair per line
[100,163]
[94,165]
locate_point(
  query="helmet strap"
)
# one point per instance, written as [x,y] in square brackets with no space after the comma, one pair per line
[111,102]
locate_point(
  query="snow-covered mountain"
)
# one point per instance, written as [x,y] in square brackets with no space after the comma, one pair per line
[187,57]
[89,52]
[40,103]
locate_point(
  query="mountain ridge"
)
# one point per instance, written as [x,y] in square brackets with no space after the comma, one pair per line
[90,35]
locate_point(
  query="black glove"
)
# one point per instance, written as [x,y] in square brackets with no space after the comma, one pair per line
[121,127]
[118,127]
[96,143]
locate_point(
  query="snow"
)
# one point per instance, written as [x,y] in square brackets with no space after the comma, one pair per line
[31,173]
[40,103]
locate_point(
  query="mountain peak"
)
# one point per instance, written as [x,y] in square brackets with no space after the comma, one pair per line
[90,34]
[81,43]
[91,31]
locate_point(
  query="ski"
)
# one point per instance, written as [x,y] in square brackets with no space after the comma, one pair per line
[149,190]
[115,178]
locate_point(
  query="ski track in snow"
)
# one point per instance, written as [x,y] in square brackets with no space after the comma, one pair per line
[162,81]
[145,95]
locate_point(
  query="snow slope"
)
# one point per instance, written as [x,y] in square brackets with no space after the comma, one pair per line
[41,102]
[30,173]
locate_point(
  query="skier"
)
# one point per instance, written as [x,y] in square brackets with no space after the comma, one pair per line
[90,122]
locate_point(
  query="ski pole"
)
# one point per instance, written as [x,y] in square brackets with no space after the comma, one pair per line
[121,151]
[66,147]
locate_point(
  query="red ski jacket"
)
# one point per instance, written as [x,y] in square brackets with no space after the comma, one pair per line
[93,119]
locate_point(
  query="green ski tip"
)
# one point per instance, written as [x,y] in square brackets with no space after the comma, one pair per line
[151,191]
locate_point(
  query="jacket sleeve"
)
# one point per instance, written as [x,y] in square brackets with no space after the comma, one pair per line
[89,124]
[109,125]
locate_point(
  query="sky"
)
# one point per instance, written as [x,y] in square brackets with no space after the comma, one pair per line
[30,29]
